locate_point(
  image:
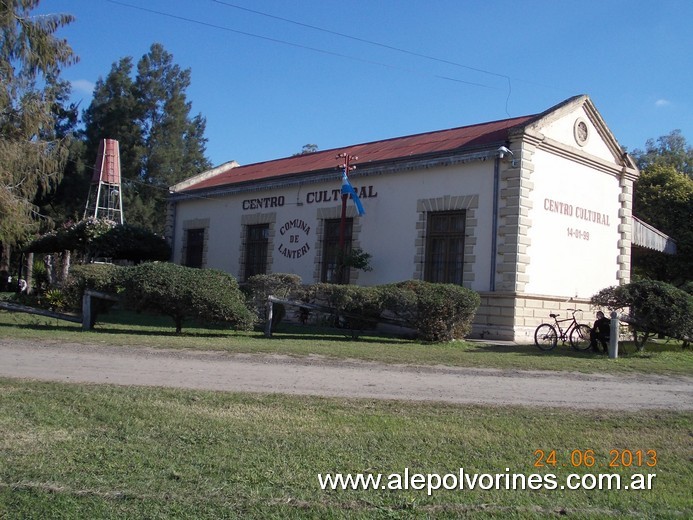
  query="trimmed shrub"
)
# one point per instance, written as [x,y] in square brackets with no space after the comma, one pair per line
[364,304]
[104,238]
[280,285]
[438,312]
[653,308]
[688,287]
[136,244]
[98,277]
[205,295]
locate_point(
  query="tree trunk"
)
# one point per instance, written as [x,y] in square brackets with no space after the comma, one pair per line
[65,266]
[29,272]
[5,253]
[5,257]
[49,262]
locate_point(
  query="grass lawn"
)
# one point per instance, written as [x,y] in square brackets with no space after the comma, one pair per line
[90,451]
[83,451]
[126,328]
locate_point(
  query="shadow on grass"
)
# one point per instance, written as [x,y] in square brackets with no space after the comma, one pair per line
[625,349]
[58,327]
[532,350]
[337,337]
[298,332]
[133,324]
[116,330]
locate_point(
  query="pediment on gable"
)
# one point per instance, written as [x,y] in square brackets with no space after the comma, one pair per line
[575,126]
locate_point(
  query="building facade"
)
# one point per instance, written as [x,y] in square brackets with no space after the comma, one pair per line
[532,212]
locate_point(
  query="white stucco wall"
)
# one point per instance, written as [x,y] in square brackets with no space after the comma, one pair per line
[563,130]
[574,233]
[388,231]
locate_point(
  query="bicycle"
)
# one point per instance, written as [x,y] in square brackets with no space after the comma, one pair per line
[546,335]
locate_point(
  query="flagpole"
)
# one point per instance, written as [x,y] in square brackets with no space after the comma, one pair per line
[342,223]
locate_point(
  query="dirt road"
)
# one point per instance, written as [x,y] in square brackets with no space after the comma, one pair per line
[53,361]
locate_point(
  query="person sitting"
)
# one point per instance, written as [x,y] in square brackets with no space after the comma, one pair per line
[600,333]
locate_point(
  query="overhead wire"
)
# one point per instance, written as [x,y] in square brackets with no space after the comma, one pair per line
[294,44]
[362,40]
[375,43]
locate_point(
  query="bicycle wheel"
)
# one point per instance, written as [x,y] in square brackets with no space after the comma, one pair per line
[545,337]
[580,337]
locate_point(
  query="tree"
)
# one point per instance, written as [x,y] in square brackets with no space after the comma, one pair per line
[160,144]
[669,150]
[32,154]
[115,113]
[307,148]
[174,143]
[664,198]
[653,308]
[98,238]
[68,198]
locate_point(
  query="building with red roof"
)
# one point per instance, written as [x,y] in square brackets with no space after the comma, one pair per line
[532,212]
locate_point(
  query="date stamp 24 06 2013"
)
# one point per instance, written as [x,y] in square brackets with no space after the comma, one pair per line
[587,458]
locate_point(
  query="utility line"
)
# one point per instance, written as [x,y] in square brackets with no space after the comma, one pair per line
[377,44]
[292,44]
[362,40]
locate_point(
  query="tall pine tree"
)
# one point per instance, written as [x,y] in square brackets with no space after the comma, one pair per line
[116,113]
[31,154]
[160,144]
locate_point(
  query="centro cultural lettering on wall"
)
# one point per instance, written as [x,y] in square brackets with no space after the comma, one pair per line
[364,192]
[293,241]
[312,197]
[563,208]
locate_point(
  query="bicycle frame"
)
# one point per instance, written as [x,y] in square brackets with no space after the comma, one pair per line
[547,335]
[564,335]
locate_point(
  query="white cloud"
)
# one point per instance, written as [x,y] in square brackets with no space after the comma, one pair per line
[83,86]
[662,103]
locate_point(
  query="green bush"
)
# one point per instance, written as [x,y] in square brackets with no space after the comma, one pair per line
[259,287]
[652,307]
[104,238]
[438,312]
[127,242]
[55,300]
[205,295]
[98,277]
[356,307]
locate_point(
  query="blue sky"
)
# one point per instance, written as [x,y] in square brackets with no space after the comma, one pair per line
[340,72]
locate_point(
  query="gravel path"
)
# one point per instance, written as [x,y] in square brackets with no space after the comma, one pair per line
[53,361]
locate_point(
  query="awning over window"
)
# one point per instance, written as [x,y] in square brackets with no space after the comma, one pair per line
[647,236]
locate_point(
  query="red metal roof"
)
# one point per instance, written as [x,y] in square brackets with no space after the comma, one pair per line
[390,149]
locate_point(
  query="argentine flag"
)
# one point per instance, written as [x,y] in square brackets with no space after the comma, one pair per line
[348,189]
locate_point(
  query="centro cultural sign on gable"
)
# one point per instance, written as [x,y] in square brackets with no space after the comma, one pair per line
[533,212]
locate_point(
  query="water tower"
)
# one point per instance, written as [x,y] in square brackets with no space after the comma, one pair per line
[105,201]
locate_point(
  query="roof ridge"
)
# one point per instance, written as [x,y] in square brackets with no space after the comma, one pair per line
[389,139]
[471,137]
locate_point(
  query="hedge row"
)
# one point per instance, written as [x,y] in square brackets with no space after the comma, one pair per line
[437,312]
[204,295]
